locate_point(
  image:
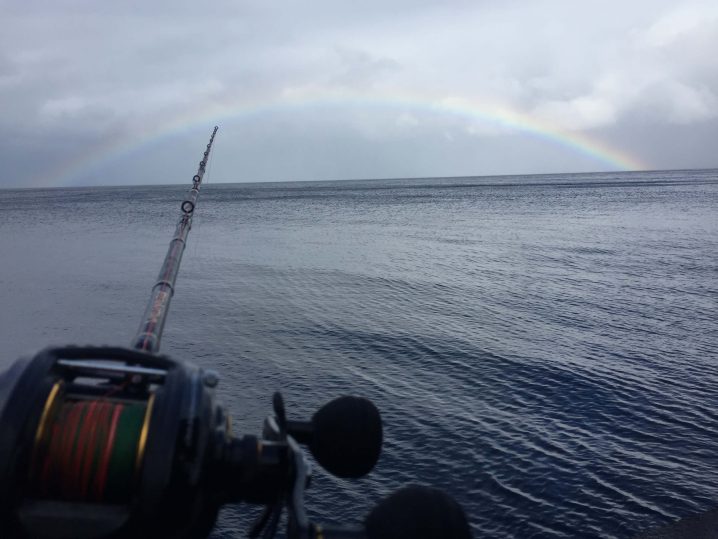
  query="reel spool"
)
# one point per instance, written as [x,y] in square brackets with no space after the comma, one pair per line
[88,448]
[107,440]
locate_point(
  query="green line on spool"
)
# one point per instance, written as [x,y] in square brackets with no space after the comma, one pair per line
[120,475]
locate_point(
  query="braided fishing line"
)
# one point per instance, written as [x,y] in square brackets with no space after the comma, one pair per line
[88,451]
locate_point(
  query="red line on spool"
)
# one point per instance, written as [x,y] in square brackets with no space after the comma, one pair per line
[105,464]
[84,446]
[70,437]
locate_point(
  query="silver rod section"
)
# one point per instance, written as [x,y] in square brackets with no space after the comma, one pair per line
[103,368]
[153,321]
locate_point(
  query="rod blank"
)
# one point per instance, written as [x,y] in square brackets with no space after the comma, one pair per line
[150,331]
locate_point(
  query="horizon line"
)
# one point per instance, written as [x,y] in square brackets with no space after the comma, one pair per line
[394,178]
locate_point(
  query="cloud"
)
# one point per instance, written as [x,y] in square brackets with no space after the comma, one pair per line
[86,73]
[661,70]
[359,69]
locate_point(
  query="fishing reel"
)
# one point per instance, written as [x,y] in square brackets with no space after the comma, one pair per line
[109,443]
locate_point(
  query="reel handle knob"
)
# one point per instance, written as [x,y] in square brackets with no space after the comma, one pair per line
[344,435]
[419,513]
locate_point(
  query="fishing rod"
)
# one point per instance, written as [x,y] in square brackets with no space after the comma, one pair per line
[153,322]
[100,442]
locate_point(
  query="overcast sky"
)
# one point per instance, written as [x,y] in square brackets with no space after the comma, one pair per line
[106,93]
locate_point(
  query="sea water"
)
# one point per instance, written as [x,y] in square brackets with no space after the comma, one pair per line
[544,348]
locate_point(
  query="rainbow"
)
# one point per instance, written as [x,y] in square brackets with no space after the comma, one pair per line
[225,109]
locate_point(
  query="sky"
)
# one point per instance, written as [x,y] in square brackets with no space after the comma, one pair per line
[113,93]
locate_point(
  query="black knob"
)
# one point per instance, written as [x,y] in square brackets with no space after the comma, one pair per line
[419,513]
[345,436]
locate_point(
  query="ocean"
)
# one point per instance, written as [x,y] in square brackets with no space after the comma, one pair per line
[544,348]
